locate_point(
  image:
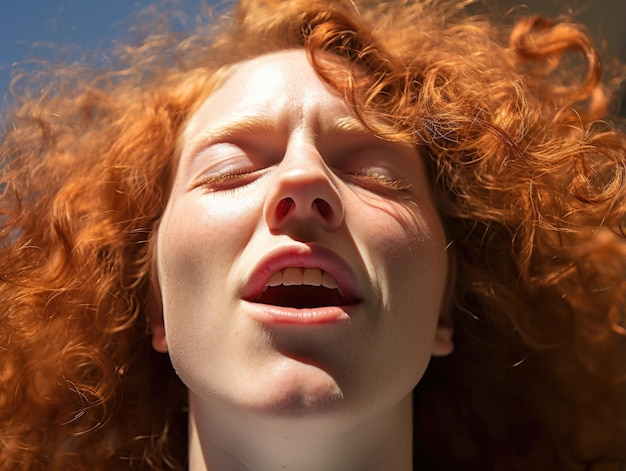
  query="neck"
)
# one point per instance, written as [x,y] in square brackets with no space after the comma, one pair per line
[223,439]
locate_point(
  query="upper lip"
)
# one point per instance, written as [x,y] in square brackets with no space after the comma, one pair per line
[302,256]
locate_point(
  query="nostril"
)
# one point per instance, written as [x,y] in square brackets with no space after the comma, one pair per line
[283,208]
[324,209]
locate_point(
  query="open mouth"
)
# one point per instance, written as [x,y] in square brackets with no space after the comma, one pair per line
[302,288]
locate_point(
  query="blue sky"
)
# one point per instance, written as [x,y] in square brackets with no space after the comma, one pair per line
[28,28]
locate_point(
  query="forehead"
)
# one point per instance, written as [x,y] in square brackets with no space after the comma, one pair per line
[281,88]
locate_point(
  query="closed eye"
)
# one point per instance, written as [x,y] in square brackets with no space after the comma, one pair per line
[376,179]
[226,166]
[221,181]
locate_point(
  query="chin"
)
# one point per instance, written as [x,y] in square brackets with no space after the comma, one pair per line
[295,389]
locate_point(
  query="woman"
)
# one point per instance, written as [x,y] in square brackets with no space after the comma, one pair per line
[269,228]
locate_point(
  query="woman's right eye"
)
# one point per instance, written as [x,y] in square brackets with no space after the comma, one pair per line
[226,167]
[227,180]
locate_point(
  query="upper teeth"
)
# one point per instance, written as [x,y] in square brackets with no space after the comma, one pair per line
[302,276]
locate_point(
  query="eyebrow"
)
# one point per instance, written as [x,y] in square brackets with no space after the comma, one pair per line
[346,124]
[253,124]
[265,124]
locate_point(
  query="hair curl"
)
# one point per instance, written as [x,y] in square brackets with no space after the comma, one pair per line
[529,183]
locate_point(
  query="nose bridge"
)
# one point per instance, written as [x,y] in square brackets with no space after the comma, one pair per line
[303,190]
[303,163]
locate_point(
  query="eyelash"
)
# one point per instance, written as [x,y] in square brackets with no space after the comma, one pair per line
[208,182]
[383,180]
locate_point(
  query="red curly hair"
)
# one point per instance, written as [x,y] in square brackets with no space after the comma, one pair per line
[530,185]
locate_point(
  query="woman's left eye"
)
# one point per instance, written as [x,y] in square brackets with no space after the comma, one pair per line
[380,180]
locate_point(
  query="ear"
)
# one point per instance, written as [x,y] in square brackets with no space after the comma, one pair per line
[444,343]
[155,314]
[444,336]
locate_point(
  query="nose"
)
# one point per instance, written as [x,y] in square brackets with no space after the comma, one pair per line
[303,193]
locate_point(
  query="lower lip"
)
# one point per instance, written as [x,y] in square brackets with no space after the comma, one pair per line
[268,314]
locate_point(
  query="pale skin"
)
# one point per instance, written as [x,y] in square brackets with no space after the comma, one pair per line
[301,268]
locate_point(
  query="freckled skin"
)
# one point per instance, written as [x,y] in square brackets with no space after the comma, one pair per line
[228,208]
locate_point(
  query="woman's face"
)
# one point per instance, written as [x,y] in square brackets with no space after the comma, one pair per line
[301,261]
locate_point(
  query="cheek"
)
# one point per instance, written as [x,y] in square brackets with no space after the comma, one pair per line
[405,247]
[199,238]
[406,254]
[195,249]
[418,266]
